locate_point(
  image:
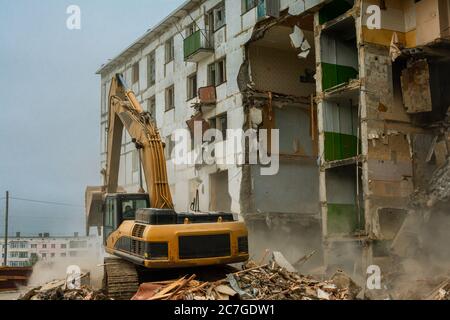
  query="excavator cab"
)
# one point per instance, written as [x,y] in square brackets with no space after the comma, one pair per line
[120,207]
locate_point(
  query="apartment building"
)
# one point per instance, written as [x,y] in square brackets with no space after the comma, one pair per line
[355,104]
[24,250]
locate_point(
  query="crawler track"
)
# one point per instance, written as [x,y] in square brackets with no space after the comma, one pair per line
[120,279]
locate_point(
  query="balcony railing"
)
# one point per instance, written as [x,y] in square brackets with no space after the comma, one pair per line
[198,46]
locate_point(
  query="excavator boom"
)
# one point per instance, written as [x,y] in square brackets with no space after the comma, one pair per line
[126,111]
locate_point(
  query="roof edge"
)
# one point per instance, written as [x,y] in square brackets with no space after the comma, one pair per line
[186,6]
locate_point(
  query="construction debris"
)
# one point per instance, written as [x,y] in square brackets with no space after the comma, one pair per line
[58,290]
[442,292]
[255,282]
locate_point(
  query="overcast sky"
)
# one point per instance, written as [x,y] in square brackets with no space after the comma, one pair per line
[50,100]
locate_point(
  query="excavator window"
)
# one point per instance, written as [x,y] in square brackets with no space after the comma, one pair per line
[129,208]
[110,217]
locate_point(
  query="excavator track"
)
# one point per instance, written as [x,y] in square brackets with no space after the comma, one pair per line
[120,279]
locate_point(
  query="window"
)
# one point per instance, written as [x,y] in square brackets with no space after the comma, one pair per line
[63,246]
[191,29]
[78,244]
[219,16]
[52,255]
[135,73]
[151,106]
[18,244]
[248,5]
[192,86]
[129,208]
[151,69]
[34,246]
[217,73]
[53,246]
[170,98]
[170,50]
[44,246]
[44,255]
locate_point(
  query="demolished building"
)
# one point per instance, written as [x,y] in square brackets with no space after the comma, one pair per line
[361,113]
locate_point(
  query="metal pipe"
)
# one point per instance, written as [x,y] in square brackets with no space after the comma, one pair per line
[5,261]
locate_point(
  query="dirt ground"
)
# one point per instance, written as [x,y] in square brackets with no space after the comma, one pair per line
[11,295]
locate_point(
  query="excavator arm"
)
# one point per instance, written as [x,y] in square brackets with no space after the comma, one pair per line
[125,111]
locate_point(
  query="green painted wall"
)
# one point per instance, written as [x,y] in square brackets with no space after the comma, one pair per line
[333,75]
[343,219]
[340,146]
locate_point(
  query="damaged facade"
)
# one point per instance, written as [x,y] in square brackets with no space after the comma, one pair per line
[361,112]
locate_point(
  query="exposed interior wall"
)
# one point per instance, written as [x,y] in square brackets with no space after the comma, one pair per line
[341,128]
[416,23]
[297,154]
[275,65]
[345,213]
[339,54]
[285,192]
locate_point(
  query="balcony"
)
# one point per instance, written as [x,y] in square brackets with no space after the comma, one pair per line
[198,46]
[207,95]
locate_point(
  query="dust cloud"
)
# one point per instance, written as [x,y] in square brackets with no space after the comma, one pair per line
[51,269]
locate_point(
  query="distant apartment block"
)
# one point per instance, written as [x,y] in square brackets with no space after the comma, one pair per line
[23,250]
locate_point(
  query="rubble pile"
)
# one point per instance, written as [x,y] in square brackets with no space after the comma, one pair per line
[58,290]
[442,292]
[255,282]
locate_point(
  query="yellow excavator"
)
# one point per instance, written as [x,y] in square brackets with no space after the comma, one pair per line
[142,231]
